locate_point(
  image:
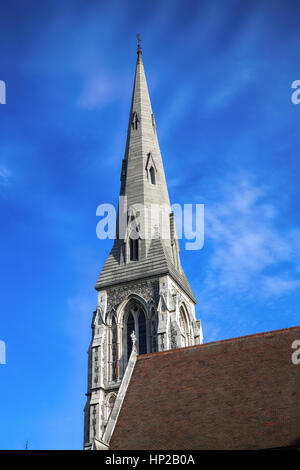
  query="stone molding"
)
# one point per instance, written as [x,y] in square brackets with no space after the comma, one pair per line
[119,400]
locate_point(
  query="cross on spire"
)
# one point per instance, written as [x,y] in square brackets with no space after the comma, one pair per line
[139,49]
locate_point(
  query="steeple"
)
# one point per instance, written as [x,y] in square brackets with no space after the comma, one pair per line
[142,287]
[143,184]
[142,147]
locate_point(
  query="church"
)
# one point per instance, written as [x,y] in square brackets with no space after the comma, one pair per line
[152,383]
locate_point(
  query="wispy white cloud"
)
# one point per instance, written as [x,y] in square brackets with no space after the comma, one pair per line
[175,182]
[99,90]
[248,242]
[176,110]
[277,286]
[5,176]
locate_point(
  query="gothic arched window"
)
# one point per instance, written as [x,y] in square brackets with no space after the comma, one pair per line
[130,329]
[142,333]
[114,352]
[151,169]
[135,120]
[183,327]
[152,175]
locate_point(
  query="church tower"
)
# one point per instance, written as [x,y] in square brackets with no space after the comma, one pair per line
[142,286]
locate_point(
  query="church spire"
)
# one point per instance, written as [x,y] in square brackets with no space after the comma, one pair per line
[144,187]
[142,287]
[139,183]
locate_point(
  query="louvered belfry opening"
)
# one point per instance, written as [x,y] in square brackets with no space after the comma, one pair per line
[134,249]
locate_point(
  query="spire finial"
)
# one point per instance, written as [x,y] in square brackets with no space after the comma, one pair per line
[139,49]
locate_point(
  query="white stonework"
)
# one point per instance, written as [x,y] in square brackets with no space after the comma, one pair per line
[112,419]
[149,294]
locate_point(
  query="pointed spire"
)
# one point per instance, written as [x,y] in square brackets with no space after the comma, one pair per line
[144,186]
[142,149]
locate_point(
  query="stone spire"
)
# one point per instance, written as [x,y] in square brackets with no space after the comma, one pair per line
[142,149]
[145,303]
[144,187]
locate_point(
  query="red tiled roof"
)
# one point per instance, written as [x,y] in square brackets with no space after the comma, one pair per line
[242,393]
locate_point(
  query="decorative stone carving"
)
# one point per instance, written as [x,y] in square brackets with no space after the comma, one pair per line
[133,339]
[148,290]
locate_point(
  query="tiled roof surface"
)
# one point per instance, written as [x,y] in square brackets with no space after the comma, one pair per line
[242,393]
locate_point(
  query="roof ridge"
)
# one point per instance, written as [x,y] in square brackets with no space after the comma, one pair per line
[264,333]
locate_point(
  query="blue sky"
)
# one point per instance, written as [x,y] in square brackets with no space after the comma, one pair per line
[219,75]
